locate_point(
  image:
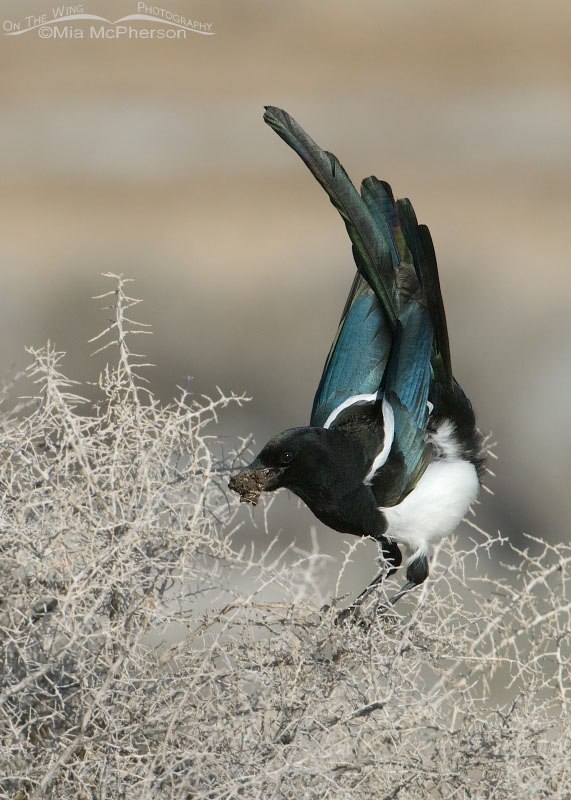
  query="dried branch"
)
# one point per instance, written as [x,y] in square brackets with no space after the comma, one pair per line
[147,652]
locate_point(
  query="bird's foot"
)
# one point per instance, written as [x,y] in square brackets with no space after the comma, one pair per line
[350,614]
[353,615]
[385,612]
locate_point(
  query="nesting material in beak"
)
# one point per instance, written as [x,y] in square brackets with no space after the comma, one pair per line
[250,483]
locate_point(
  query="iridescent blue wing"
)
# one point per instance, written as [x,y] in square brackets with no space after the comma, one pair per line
[406,388]
[358,357]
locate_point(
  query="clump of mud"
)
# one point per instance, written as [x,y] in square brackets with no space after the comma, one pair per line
[250,483]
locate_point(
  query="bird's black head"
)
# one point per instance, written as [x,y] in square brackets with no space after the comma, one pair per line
[289,460]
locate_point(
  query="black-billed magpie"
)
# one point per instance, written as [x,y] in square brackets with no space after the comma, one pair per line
[392,450]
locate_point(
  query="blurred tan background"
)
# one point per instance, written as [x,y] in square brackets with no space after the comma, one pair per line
[150,158]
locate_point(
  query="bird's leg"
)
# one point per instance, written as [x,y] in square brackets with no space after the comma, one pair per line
[392,555]
[416,573]
[352,610]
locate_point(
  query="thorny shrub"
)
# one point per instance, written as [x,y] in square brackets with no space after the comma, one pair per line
[147,655]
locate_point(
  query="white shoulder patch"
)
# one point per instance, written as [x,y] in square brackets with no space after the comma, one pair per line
[389,428]
[356,398]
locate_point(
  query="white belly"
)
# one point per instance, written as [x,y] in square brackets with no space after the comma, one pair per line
[435,506]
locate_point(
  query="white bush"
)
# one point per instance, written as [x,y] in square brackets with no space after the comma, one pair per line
[133,667]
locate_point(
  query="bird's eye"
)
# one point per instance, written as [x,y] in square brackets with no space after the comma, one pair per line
[287,457]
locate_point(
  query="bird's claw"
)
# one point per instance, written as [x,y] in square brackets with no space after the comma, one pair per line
[351,613]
